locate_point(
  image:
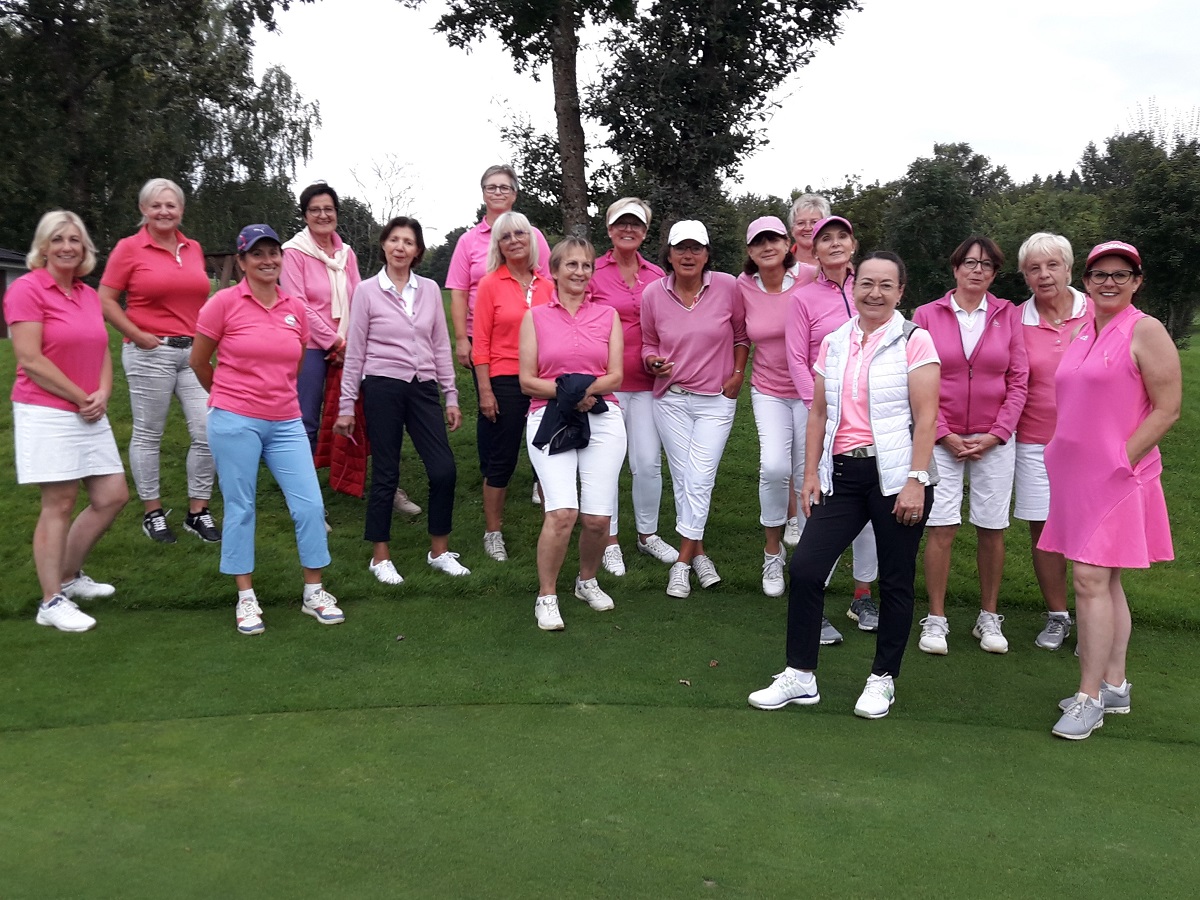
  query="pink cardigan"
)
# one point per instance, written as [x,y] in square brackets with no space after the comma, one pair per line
[986,393]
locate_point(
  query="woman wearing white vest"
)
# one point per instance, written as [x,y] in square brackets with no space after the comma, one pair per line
[868,457]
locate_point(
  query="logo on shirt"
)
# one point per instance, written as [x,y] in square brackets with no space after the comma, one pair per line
[290,319]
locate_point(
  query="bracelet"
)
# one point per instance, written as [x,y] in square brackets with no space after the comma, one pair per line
[738,371]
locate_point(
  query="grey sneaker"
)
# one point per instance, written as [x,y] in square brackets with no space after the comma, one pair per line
[772,574]
[493,546]
[706,571]
[829,634]
[1114,699]
[791,533]
[1082,717]
[659,549]
[789,686]
[679,581]
[403,505]
[1057,630]
[865,613]
[987,632]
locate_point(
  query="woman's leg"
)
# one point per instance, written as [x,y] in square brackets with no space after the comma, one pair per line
[384,408]
[237,448]
[310,385]
[942,525]
[193,399]
[505,446]
[599,472]
[151,376]
[288,458]
[938,542]
[1102,623]
[773,418]
[552,547]
[107,496]
[50,535]
[427,429]
[674,423]
[898,545]
[1051,571]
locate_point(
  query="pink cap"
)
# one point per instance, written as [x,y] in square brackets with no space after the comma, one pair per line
[829,220]
[765,224]
[1115,248]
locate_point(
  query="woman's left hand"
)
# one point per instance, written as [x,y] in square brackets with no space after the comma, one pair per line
[344,425]
[975,447]
[909,508]
[733,385]
[586,404]
[453,417]
[94,407]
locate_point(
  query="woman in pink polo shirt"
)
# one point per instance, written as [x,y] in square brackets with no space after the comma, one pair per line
[819,308]
[1052,315]
[571,361]
[807,210]
[985,376]
[258,334]
[621,277]
[694,343]
[60,430]
[511,287]
[397,358]
[769,280]
[165,282]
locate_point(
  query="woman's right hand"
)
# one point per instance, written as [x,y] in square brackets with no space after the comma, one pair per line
[344,425]
[487,406]
[810,494]
[659,366]
[144,340]
[462,352]
[955,444]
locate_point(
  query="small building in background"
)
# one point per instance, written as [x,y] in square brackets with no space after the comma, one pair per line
[12,267]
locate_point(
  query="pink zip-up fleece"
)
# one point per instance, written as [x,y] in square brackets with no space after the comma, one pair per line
[983,394]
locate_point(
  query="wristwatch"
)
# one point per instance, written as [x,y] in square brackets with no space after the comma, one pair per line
[921,475]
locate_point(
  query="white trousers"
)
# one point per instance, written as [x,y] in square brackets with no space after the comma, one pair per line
[781,426]
[645,460]
[597,466]
[989,479]
[693,429]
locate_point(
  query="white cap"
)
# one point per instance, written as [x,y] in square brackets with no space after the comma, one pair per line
[628,209]
[688,230]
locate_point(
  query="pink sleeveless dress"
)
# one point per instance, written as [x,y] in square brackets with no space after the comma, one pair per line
[1103,511]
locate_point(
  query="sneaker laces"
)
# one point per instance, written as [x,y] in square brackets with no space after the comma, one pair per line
[1056,625]
[934,627]
[247,608]
[157,520]
[877,686]
[867,607]
[989,623]
[679,575]
[773,566]
[204,517]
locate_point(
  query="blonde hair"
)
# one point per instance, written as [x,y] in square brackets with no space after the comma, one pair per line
[510,221]
[48,226]
[626,201]
[809,201]
[152,189]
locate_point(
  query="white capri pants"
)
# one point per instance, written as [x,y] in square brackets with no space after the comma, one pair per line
[991,486]
[1032,484]
[693,429]
[645,460]
[597,466]
[781,425]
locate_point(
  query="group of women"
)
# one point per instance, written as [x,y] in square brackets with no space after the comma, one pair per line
[870,426]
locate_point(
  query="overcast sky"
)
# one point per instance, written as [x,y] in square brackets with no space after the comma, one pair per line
[1026,82]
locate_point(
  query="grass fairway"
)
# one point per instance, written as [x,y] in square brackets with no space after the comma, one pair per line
[163,755]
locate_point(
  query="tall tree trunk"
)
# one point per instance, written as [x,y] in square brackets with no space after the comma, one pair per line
[564,47]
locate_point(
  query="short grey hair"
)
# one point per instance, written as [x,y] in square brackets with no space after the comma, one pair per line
[152,189]
[501,170]
[510,221]
[809,201]
[1043,242]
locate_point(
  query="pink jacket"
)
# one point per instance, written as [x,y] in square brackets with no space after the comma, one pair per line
[986,393]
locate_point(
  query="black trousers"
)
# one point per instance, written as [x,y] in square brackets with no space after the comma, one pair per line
[833,526]
[392,406]
[500,441]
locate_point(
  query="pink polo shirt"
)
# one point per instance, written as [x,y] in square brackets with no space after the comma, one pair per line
[818,309]
[610,289]
[1045,344]
[163,291]
[572,344]
[766,322]
[468,265]
[385,339]
[74,337]
[854,428]
[502,306]
[258,352]
[308,279]
[699,340]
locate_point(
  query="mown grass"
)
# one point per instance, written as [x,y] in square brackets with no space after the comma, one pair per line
[164,755]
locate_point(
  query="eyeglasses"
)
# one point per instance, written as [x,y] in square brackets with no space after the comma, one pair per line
[321,211]
[513,236]
[629,226]
[498,189]
[693,249]
[1095,276]
[972,264]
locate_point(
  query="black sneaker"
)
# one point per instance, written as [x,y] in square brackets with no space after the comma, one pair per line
[202,525]
[154,526]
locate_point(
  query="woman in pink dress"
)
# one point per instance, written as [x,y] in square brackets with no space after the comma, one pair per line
[1119,391]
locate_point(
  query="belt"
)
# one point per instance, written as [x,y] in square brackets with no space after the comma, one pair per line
[860,452]
[179,343]
[676,389]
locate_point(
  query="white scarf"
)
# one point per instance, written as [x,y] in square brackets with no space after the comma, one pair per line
[335,266]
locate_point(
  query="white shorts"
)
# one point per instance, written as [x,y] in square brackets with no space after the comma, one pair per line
[56,445]
[1033,485]
[991,487]
[585,479]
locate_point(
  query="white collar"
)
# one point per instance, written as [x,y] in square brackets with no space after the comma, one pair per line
[1030,315]
[386,283]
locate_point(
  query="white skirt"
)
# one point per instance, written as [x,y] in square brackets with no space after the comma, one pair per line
[56,445]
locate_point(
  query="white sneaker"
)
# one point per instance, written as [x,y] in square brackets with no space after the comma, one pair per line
[63,614]
[536,497]
[772,574]
[403,505]
[614,561]
[385,571]
[493,546]
[877,697]
[249,617]
[81,587]
[546,611]
[591,591]
[659,549]
[987,630]
[791,532]
[679,581]
[706,571]
[789,686]
[448,563]
[323,607]
[933,635]
[1057,630]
